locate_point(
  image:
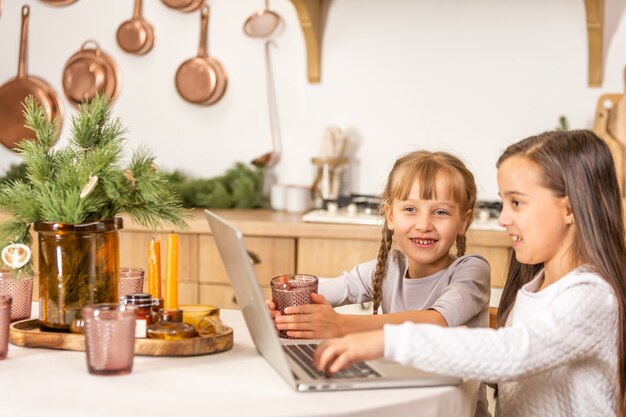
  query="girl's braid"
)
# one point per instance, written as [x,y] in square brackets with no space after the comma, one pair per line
[460,245]
[381,266]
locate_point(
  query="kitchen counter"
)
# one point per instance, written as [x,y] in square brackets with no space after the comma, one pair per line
[261,222]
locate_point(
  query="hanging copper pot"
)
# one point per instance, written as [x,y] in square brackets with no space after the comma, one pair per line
[136,36]
[202,79]
[88,72]
[184,5]
[59,2]
[15,91]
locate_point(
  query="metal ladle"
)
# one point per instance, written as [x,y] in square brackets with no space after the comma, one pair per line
[271,158]
[262,23]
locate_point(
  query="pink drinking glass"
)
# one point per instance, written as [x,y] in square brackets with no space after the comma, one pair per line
[131,281]
[292,290]
[109,338]
[20,289]
[5,320]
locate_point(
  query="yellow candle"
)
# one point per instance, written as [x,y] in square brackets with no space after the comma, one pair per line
[154,268]
[171,278]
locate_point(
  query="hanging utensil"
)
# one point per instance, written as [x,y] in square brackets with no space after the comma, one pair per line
[88,72]
[202,79]
[271,158]
[136,36]
[262,23]
[184,5]
[15,91]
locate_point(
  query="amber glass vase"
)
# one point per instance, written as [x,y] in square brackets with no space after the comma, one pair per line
[79,264]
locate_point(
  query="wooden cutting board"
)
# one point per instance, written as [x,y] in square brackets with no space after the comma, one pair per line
[28,334]
[606,123]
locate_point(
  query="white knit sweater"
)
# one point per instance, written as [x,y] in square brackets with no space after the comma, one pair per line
[557,355]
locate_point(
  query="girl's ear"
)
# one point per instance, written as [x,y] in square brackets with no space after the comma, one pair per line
[567,210]
[388,215]
[465,221]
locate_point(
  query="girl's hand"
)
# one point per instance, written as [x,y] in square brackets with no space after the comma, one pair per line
[336,354]
[272,308]
[311,321]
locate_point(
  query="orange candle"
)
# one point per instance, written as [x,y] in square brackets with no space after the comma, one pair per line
[171,278]
[154,268]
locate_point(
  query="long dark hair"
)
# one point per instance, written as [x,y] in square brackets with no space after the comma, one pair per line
[579,165]
[424,167]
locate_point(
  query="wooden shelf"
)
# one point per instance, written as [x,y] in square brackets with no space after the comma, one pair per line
[311,16]
[594,9]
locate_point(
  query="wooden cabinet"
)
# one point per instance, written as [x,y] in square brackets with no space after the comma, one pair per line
[496,248]
[275,256]
[283,244]
[330,257]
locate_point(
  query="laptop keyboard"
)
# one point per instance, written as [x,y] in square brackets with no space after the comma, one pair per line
[303,355]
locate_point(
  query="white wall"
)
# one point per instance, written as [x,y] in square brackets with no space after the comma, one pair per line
[465,76]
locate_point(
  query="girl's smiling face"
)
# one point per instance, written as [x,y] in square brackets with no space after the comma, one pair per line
[425,230]
[540,224]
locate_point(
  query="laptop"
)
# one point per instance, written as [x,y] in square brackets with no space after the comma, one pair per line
[291,358]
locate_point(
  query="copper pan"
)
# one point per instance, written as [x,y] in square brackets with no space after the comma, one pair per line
[136,36]
[202,79]
[184,5]
[88,72]
[59,2]
[15,91]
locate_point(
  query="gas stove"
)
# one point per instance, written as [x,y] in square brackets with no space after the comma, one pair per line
[352,209]
[363,209]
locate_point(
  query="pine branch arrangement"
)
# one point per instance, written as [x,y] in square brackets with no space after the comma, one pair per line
[85,181]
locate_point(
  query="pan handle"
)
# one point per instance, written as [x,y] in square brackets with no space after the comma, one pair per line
[204,24]
[272,106]
[21,66]
[94,44]
[137,11]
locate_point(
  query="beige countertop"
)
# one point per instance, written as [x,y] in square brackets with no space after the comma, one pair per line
[261,222]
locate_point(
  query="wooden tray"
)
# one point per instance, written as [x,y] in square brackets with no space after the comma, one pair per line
[28,334]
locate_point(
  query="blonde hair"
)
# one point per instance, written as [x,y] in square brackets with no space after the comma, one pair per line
[427,168]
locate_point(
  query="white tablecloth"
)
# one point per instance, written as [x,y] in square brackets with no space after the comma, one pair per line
[42,382]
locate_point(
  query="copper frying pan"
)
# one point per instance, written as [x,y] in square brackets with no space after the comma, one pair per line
[15,91]
[184,5]
[88,72]
[136,36]
[59,2]
[202,79]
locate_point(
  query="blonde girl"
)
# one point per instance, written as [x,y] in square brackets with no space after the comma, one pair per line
[428,206]
[561,350]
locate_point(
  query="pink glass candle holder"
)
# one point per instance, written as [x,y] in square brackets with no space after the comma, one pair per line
[20,288]
[5,320]
[131,281]
[109,338]
[292,290]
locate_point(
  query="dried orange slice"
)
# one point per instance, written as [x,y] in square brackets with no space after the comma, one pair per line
[88,188]
[16,255]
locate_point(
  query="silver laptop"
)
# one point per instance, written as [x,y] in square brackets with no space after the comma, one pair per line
[291,358]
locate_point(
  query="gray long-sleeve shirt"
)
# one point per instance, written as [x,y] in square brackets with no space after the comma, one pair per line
[460,292]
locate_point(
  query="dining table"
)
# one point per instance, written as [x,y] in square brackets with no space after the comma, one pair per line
[239,382]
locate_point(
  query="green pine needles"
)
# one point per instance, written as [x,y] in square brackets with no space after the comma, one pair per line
[85,181]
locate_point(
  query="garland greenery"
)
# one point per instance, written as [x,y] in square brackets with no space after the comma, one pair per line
[84,181]
[241,187]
